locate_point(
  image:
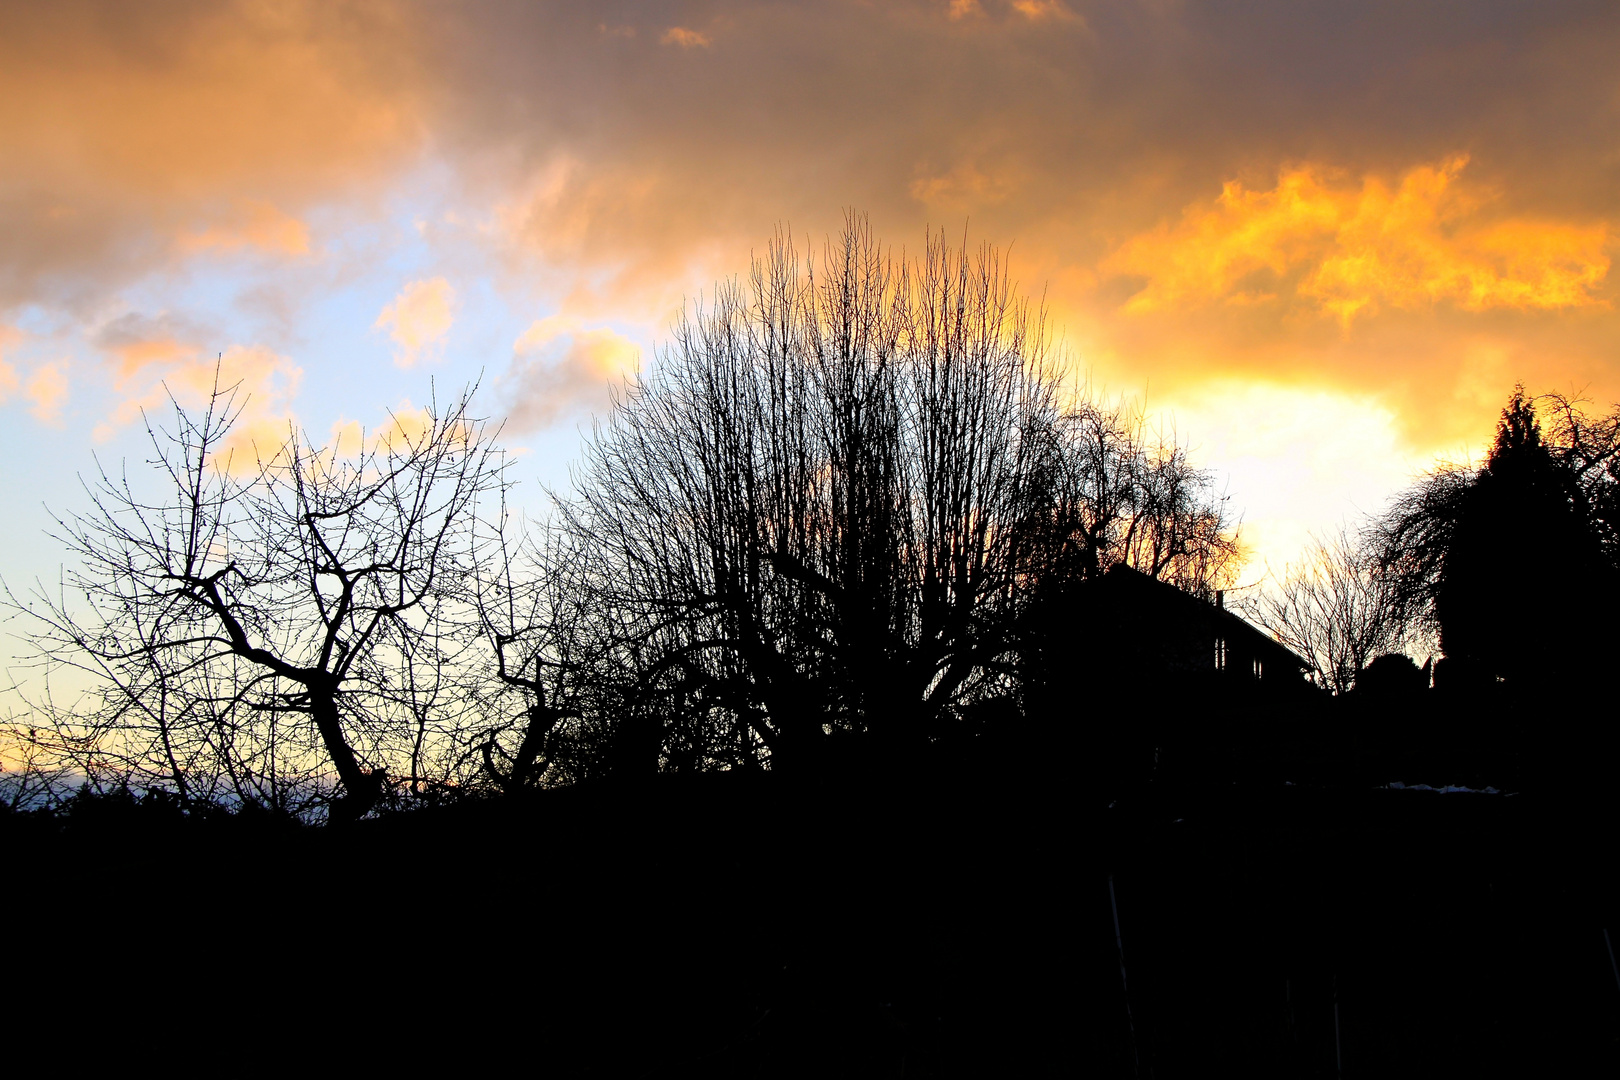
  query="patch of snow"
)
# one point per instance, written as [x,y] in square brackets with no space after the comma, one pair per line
[1447,789]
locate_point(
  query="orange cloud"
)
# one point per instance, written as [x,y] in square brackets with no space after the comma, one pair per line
[686,39]
[1032,10]
[138,341]
[47,389]
[419,319]
[405,426]
[255,224]
[163,356]
[266,384]
[963,187]
[613,241]
[561,368]
[614,177]
[134,134]
[1041,10]
[1353,251]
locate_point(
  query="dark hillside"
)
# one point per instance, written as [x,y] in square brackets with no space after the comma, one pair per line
[736,925]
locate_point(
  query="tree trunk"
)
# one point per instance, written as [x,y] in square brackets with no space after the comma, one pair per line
[541,722]
[360,788]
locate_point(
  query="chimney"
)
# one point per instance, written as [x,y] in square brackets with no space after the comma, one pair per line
[1220,599]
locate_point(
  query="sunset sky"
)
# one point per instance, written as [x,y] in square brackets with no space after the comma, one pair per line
[1321,241]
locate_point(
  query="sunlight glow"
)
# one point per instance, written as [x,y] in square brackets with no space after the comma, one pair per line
[1297,459]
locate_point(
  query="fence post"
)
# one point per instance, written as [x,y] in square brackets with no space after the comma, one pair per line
[1119,942]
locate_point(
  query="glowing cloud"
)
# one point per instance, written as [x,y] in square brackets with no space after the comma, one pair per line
[962,188]
[48,389]
[686,39]
[254,224]
[1041,10]
[156,357]
[138,341]
[405,426]
[1351,251]
[560,368]
[140,126]
[204,155]
[419,319]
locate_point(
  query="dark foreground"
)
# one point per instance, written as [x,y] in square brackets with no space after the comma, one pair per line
[735,926]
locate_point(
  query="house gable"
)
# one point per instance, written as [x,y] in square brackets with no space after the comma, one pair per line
[1130,625]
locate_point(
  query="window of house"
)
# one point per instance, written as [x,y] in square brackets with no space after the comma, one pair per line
[1259,669]
[1220,654]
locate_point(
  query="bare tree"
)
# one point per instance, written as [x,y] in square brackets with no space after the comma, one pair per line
[822,513]
[1336,608]
[266,620]
[544,646]
[1416,533]
[1587,448]
[1131,496]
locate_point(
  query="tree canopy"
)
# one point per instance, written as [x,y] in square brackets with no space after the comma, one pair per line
[1513,564]
[275,619]
[826,510]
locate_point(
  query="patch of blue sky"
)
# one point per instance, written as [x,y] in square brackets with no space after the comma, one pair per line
[39,320]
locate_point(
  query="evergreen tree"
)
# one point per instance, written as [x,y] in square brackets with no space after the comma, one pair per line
[1507,562]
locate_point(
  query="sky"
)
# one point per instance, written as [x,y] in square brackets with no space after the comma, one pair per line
[1319,242]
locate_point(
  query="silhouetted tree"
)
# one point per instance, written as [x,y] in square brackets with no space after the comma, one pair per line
[1587,450]
[268,617]
[1123,495]
[1514,564]
[824,512]
[552,672]
[1393,678]
[1335,608]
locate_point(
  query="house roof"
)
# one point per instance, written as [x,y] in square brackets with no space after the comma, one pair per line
[1137,588]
